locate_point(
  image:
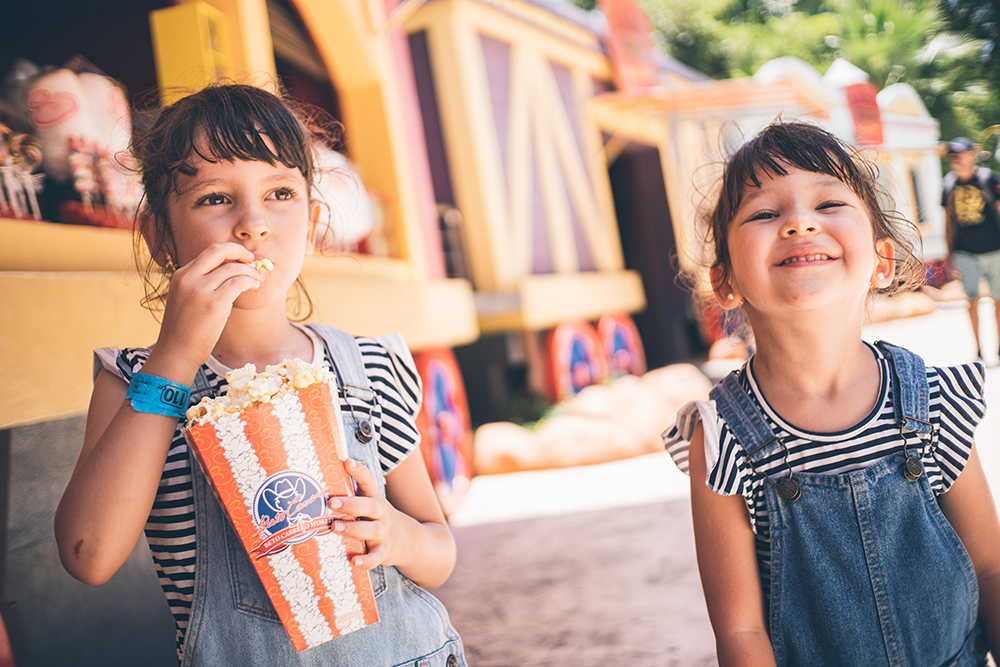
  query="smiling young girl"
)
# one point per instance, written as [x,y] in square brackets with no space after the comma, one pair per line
[228,174]
[841,514]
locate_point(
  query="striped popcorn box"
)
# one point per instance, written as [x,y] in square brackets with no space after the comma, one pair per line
[274,448]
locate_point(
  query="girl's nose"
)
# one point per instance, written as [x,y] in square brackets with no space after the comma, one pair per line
[252,225]
[799,224]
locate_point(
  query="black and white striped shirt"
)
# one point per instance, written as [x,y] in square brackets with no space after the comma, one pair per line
[170,529]
[956,408]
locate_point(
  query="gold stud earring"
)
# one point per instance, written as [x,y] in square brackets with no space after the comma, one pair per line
[170,266]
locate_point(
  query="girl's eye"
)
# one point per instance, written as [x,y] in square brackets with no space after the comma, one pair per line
[213,199]
[283,194]
[830,204]
[762,215]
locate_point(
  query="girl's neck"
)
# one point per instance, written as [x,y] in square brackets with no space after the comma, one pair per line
[820,376]
[261,337]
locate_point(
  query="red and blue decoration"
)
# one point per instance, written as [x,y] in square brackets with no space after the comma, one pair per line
[445,427]
[622,345]
[576,359]
[288,508]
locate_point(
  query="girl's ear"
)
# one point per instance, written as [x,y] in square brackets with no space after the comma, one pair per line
[885,264]
[315,211]
[725,293]
[147,227]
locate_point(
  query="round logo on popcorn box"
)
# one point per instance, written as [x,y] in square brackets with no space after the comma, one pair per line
[289,508]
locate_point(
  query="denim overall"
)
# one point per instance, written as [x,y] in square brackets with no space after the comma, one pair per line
[232,620]
[865,568]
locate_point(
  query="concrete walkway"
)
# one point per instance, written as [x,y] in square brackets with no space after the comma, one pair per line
[595,565]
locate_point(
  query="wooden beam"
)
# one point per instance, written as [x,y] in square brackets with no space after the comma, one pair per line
[562,243]
[520,165]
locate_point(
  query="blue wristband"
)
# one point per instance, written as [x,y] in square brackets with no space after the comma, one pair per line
[158,396]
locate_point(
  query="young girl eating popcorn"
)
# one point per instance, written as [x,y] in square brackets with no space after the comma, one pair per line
[841,513]
[229,216]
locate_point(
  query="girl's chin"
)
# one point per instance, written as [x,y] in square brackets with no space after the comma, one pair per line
[262,297]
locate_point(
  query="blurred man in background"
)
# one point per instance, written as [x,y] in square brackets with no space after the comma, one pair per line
[972,212]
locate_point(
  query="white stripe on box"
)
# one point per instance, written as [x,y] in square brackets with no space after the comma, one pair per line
[335,570]
[299,591]
[239,452]
[299,450]
[336,575]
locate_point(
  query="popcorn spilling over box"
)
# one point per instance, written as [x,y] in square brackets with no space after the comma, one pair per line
[273,447]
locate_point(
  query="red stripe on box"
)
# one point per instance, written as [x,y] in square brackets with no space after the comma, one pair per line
[208,449]
[264,432]
[308,554]
[323,417]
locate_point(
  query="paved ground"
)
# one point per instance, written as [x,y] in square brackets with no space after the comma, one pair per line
[595,565]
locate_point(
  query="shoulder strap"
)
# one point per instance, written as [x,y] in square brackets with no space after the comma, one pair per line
[984,176]
[948,184]
[743,418]
[910,392]
[201,388]
[345,354]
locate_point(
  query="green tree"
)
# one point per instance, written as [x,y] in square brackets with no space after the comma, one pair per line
[883,37]
[944,50]
[979,21]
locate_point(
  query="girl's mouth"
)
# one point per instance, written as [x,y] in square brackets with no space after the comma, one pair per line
[804,259]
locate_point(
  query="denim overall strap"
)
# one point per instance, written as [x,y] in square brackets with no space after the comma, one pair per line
[911,402]
[232,620]
[357,392]
[752,433]
[744,419]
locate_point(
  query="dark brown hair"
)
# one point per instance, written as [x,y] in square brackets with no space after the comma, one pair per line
[218,123]
[783,146]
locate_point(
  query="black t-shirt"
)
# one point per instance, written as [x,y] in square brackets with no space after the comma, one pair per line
[975,216]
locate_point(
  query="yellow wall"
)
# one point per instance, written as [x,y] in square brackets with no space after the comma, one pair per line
[361,65]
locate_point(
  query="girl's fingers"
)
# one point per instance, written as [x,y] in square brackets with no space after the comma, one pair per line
[373,558]
[356,506]
[217,277]
[218,254]
[367,486]
[230,290]
[366,531]
[227,281]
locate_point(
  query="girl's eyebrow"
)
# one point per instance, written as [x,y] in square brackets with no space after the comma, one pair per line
[759,192]
[212,182]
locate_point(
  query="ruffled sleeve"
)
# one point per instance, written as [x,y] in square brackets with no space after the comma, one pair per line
[393,374]
[677,438]
[728,471]
[957,406]
[120,362]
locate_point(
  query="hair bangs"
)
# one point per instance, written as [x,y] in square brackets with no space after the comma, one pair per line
[242,130]
[775,153]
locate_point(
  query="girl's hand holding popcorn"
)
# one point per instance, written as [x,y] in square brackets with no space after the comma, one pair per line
[377,522]
[404,530]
